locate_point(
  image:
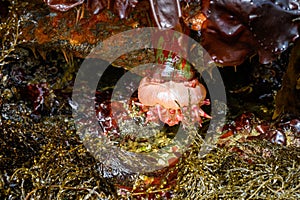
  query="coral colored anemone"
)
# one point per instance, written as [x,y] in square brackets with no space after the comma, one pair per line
[172,101]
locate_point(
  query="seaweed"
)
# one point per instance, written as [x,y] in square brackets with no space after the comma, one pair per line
[223,174]
[9,28]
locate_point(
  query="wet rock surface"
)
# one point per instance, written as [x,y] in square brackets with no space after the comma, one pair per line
[42,156]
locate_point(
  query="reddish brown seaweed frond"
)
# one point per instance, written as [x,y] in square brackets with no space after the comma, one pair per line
[63,5]
[235,30]
[120,6]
